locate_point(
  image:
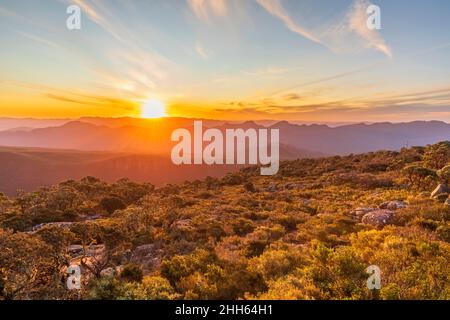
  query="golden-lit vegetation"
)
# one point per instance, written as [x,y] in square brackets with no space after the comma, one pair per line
[291,236]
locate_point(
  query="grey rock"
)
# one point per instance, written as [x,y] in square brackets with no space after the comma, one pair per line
[393,205]
[108,272]
[378,218]
[447,202]
[441,188]
[360,212]
[149,256]
[63,225]
[75,250]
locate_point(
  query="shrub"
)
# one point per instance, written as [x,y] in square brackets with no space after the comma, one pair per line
[111,204]
[131,273]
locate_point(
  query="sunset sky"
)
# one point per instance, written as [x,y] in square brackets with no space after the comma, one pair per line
[305,60]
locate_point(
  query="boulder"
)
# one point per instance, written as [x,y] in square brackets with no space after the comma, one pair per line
[447,202]
[393,205]
[360,212]
[75,250]
[378,218]
[442,197]
[108,272]
[149,256]
[63,225]
[292,186]
[182,224]
[442,188]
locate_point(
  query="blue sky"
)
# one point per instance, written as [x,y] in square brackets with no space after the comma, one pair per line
[309,60]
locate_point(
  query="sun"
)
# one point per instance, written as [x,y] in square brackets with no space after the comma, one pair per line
[153,108]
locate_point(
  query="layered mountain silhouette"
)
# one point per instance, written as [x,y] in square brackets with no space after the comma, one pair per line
[153,136]
[139,149]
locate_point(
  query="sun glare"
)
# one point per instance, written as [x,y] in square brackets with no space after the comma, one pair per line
[153,109]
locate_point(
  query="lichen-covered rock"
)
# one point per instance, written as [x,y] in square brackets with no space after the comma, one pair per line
[108,272]
[393,205]
[378,218]
[360,212]
[442,188]
[442,197]
[149,256]
[447,202]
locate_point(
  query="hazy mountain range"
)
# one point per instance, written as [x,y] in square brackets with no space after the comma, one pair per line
[34,155]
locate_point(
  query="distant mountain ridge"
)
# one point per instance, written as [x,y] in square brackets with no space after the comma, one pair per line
[153,136]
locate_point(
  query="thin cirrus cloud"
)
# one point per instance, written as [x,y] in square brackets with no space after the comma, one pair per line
[201,51]
[275,8]
[350,33]
[357,22]
[203,9]
[144,66]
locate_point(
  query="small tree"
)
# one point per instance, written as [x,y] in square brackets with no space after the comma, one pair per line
[132,273]
[416,175]
[438,155]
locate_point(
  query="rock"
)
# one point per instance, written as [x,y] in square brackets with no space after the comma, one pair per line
[447,202]
[305,202]
[442,197]
[183,224]
[75,250]
[393,205]
[272,188]
[378,218]
[149,256]
[64,225]
[108,272]
[360,212]
[291,186]
[441,188]
[93,257]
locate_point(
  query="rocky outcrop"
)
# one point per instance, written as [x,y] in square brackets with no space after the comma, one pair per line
[378,218]
[393,205]
[440,189]
[293,186]
[149,256]
[108,272]
[360,212]
[272,188]
[64,225]
[447,202]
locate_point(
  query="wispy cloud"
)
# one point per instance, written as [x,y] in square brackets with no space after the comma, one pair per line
[430,102]
[132,58]
[357,22]
[204,9]
[38,39]
[74,96]
[270,70]
[339,36]
[201,51]
[275,8]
